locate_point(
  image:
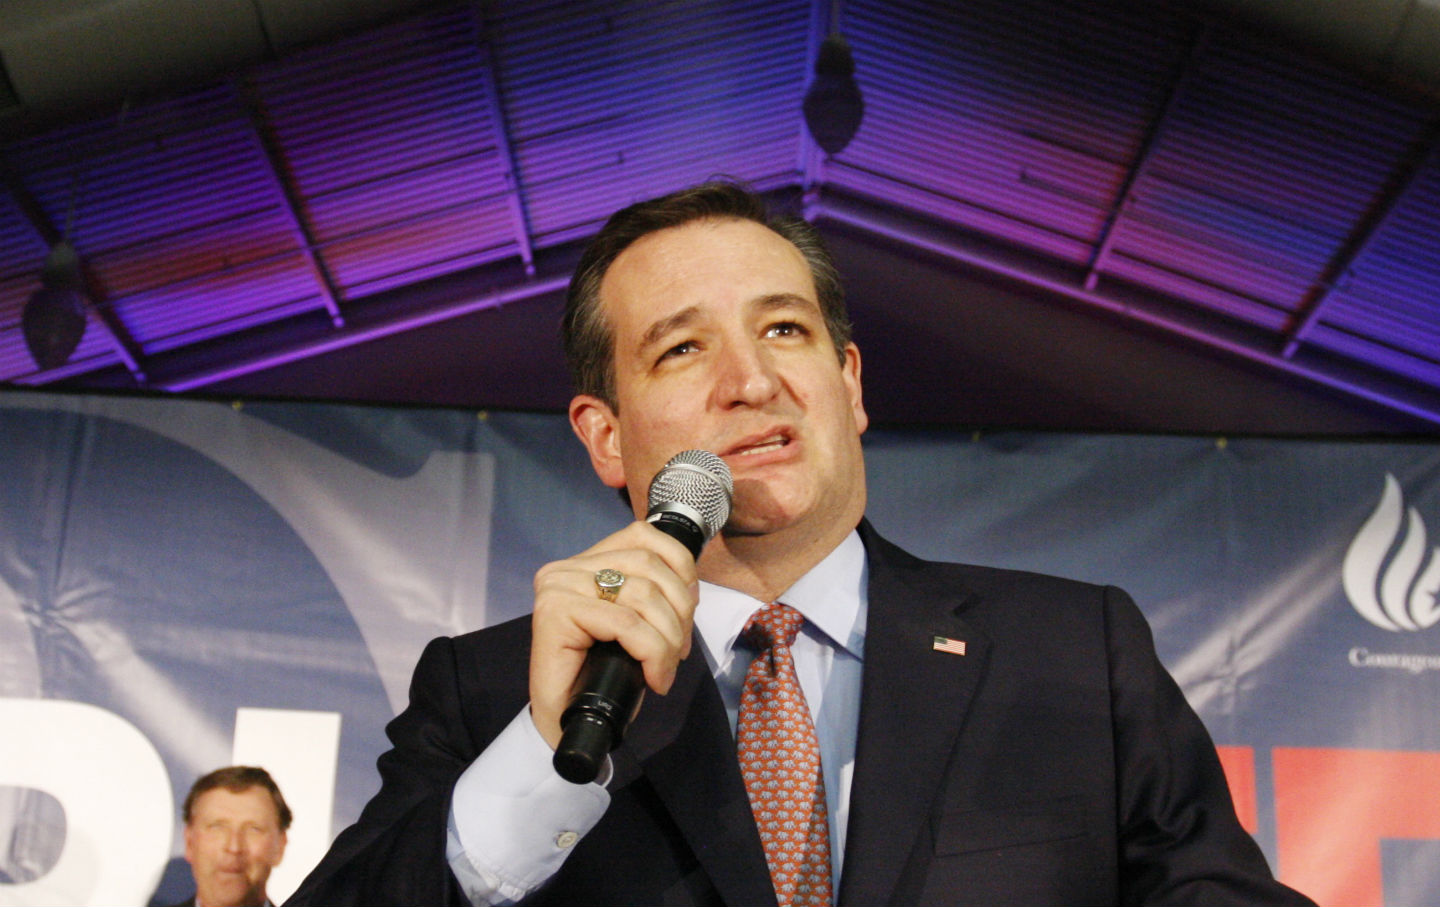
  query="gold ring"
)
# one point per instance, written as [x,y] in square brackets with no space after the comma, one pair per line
[608,583]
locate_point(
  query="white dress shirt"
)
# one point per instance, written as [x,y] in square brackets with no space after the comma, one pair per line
[513,820]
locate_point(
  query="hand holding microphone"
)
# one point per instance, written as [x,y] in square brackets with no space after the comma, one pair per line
[689,500]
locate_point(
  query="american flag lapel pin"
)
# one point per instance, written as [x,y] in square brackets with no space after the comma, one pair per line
[948,645]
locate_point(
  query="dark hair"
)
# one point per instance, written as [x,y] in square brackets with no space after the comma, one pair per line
[589,343]
[236,779]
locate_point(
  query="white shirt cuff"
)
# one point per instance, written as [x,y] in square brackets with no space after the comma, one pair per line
[513,820]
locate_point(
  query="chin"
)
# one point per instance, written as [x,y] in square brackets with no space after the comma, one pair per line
[738,529]
[756,521]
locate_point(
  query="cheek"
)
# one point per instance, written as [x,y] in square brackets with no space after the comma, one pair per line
[203,846]
[645,440]
[275,849]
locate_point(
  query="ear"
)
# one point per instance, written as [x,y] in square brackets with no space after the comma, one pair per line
[597,427]
[850,374]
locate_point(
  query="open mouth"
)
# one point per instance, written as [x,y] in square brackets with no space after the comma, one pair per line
[761,446]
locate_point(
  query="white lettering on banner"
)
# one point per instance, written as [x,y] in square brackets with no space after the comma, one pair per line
[300,750]
[119,811]
[1362,657]
[1406,594]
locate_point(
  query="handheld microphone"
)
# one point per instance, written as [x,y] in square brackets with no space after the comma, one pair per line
[689,501]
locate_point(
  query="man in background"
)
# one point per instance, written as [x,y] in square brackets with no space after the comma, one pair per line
[235,824]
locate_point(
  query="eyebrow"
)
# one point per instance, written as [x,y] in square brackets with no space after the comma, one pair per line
[665,325]
[767,303]
[775,301]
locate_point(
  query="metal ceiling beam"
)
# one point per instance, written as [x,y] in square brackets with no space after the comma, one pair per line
[1067,283]
[514,192]
[96,299]
[1125,198]
[1308,313]
[267,144]
[353,335]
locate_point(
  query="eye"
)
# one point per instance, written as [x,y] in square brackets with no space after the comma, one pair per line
[679,349]
[786,329]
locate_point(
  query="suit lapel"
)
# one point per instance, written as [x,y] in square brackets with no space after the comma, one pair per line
[912,705]
[681,743]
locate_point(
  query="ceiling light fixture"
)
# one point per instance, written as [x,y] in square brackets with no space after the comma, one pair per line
[54,318]
[833,106]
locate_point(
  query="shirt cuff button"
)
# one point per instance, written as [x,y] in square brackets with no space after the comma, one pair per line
[566,839]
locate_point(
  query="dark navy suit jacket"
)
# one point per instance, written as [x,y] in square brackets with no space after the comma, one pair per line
[1054,763]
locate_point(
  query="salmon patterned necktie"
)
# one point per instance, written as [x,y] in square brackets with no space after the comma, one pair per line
[780,760]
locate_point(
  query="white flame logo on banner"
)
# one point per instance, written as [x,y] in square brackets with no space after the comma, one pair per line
[1404,595]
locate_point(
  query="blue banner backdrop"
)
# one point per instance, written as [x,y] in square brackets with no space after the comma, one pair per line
[189,584]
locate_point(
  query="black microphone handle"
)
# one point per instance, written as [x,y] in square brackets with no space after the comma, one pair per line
[610,683]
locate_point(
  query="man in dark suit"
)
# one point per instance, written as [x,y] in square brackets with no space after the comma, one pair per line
[984,736]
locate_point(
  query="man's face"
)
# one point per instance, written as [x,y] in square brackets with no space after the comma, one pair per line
[720,345]
[232,842]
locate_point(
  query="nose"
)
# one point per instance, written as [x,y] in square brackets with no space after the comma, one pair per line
[234,842]
[747,375]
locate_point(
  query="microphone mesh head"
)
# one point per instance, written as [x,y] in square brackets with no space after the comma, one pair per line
[700,480]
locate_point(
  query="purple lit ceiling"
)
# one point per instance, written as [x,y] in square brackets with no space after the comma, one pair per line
[1065,214]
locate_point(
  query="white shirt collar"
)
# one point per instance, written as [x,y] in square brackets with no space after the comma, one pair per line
[831,596]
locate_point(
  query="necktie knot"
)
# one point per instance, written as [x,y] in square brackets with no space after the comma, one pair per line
[773,625]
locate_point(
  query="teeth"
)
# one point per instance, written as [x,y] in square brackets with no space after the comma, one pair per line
[764,447]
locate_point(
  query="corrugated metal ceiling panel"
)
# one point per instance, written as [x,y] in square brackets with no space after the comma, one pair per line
[1176,159]
[1365,349]
[609,104]
[1029,117]
[161,200]
[440,243]
[1392,292]
[389,140]
[232,244]
[194,310]
[1255,158]
[380,104]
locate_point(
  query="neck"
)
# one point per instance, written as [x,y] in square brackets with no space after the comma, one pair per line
[764,566]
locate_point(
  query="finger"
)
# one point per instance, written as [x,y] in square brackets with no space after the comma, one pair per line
[642,606]
[652,617]
[648,586]
[642,535]
[570,616]
[663,603]
[650,633]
